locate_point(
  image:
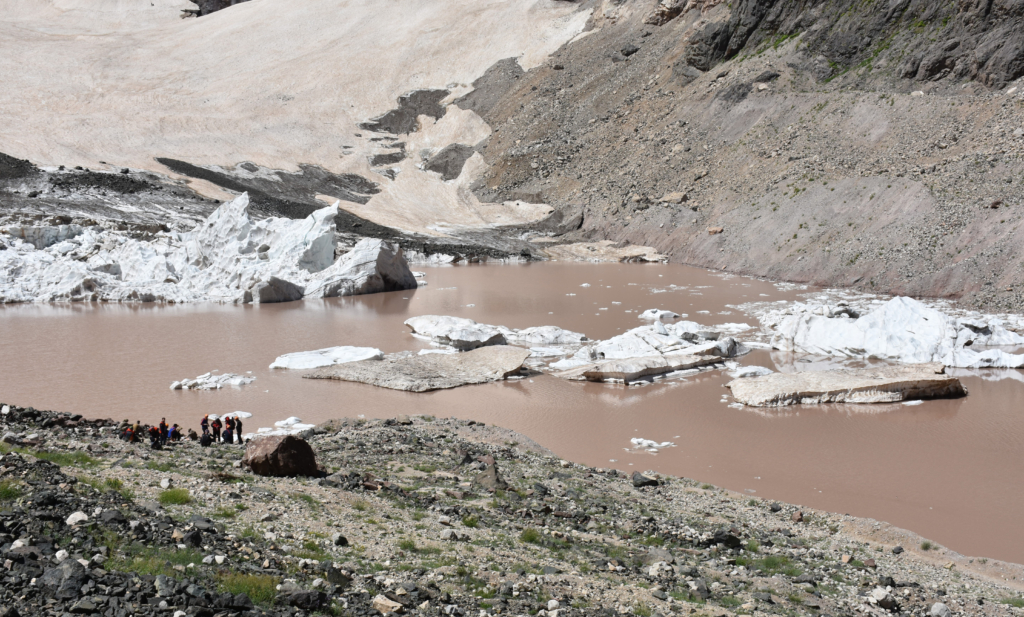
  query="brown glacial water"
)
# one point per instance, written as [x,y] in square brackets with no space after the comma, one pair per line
[949,470]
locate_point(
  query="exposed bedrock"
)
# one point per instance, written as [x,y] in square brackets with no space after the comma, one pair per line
[875,385]
[806,147]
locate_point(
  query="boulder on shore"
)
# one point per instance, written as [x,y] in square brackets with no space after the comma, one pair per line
[888,384]
[281,455]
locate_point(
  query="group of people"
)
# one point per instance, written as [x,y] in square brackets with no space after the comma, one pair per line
[228,431]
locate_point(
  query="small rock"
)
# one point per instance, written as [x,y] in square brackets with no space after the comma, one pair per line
[219,559]
[659,594]
[846,559]
[712,231]
[60,556]
[386,606]
[776,507]
[76,518]
[640,480]
[339,540]
[166,483]
[897,550]
[798,517]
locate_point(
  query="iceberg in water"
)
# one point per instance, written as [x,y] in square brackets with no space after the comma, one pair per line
[229,257]
[326,357]
[904,330]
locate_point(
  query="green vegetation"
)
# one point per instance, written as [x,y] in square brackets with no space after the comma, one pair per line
[154,561]
[309,500]
[730,601]
[361,505]
[927,546]
[1014,602]
[471,521]
[175,497]
[9,490]
[164,466]
[530,536]
[261,588]
[753,546]
[772,564]
[408,545]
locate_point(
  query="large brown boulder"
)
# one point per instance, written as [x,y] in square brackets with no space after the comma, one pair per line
[285,455]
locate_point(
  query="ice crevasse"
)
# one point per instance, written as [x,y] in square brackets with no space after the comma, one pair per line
[229,257]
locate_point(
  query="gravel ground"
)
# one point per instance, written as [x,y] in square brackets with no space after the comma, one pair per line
[433,516]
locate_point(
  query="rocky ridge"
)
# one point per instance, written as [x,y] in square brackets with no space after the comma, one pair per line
[434,517]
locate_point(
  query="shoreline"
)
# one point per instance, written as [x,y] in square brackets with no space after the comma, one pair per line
[398,488]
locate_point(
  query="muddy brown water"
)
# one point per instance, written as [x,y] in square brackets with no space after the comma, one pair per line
[949,470]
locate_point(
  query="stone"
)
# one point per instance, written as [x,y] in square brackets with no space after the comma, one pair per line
[436,371]
[896,550]
[76,518]
[713,231]
[552,605]
[279,456]
[887,384]
[940,610]
[113,518]
[883,598]
[846,558]
[659,594]
[339,540]
[165,483]
[656,555]
[193,538]
[65,580]
[385,606]
[489,479]
[674,198]
[798,517]
[640,480]
[326,357]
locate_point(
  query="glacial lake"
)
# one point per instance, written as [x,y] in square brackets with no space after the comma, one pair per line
[950,470]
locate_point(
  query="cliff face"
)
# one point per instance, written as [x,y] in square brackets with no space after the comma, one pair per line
[871,144]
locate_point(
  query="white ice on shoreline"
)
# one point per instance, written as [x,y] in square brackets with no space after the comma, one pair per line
[228,258]
[326,357]
[288,426]
[902,329]
[209,381]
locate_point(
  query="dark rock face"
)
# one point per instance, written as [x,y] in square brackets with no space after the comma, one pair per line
[405,118]
[450,160]
[65,580]
[210,6]
[640,480]
[492,86]
[286,455]
[12,168]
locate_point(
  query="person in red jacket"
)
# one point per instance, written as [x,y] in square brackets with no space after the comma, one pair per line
[215,427]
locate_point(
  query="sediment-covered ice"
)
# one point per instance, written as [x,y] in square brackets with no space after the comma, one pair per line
[209,381]
[659,315]
[230,257]
[326,357]
[649,444]
[288,426]
[902,329]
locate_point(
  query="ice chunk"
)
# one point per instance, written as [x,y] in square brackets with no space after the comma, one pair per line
[326,357]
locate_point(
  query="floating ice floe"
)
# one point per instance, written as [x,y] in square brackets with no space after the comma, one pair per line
[649,444]
[227,258]
[288,426]
[326,357]
[659,315]
[902,329]
[750,371]
[209,381]
[465,334]
[887,384]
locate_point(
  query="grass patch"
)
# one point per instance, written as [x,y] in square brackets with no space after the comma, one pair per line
[223,512]
[75,458]
[772,564]
[153,561]
[730,601]
[1014,602]
[163,466]
[530,536]
[471,522]
[753,546]
[175,497]
[927,546]
[361,505]
[9,490]
[408,545]
[261,588]
[309,500]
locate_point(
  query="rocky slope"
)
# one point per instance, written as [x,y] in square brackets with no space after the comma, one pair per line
[433,517]
[866,144]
